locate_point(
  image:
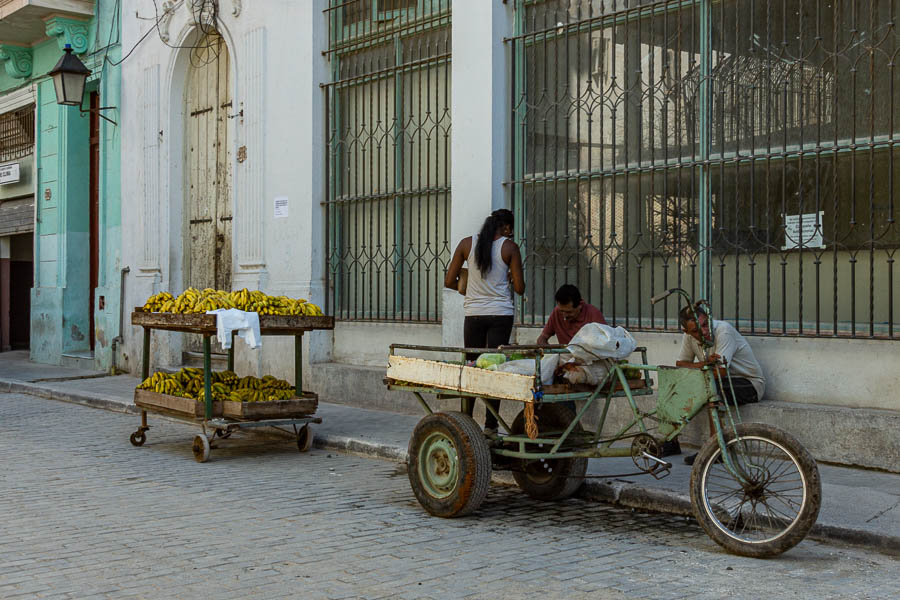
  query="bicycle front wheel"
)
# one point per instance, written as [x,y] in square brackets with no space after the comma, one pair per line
[771,506]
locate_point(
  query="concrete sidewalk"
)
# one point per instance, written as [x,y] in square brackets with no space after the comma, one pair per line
[859,507]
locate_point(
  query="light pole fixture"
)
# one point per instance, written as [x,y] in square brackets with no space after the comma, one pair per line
[69,76]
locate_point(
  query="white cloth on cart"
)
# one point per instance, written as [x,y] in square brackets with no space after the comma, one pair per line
[245,323]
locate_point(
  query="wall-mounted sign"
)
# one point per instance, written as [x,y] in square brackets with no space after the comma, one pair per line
[281,207]
[9,173]
[804,230]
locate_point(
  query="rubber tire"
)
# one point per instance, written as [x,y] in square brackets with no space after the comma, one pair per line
[200,448]
[305,438]
[138,439]
[474,470]
[806,517]
[568,473]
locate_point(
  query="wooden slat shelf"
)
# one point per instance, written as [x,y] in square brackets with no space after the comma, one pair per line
[204,324]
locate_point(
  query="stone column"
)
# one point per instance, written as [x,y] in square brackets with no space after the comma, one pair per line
[479,148]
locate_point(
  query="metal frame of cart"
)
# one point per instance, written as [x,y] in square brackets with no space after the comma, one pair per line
[205,325]
[754,488]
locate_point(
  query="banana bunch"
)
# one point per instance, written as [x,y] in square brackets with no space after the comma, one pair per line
[225,385]
[164,383]
[156,302]
[192,301]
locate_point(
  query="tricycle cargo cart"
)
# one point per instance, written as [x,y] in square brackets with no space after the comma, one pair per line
[754,488]
[221,419]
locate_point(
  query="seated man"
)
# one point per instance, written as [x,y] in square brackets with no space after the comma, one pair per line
[569,314]
[730,349]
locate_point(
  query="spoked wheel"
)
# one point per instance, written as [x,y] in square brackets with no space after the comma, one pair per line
[200,448]
[305,438]
[449,464]
[775,505]
[549,479]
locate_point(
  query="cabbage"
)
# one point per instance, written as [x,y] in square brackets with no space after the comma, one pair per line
[486,360]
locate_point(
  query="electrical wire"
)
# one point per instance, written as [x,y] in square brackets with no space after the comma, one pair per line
[207,26]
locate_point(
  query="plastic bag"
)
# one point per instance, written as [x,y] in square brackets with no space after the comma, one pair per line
[485,360]
[591,374]
[525,366]
[595,341]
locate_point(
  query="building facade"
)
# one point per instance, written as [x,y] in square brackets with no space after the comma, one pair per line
[59,200]
[740,151]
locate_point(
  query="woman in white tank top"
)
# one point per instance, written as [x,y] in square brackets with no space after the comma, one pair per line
[494,273]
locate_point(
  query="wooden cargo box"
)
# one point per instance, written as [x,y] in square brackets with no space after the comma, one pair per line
[164,403]
[472,380]
[272,409]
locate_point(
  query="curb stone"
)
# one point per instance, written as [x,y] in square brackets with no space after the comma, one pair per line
[610,491]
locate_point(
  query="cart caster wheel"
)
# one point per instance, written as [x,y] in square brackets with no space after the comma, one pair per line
[138,439]
[200,448]
[223,434]
[305,438]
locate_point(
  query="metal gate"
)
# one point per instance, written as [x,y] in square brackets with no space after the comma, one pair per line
[208,163]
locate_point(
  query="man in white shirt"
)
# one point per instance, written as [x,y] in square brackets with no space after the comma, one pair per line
[729,349]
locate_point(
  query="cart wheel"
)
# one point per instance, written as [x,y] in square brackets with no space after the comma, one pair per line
[549,479]
[138,438]
[449,464]
[220,433]
[305,438]
[776,506]
[200,448]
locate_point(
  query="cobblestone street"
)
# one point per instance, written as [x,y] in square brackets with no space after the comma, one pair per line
[86,515]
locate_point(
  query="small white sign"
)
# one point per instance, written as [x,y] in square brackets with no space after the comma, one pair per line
[9,173]
[281,207]
[804,230]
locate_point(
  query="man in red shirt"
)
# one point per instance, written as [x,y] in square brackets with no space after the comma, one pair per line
[570,313]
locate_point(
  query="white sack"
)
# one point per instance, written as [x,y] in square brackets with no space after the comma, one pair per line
[525,366]
[596,341]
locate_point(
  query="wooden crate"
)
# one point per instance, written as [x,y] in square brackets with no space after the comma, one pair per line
[490,384]
[206,324]
[273,409]
[176,405]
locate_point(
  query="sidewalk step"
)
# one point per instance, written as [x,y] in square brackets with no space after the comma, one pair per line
[78,360]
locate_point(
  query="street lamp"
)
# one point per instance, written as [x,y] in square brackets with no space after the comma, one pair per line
[69,76]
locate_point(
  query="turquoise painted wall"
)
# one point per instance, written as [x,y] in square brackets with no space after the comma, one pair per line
[60,298]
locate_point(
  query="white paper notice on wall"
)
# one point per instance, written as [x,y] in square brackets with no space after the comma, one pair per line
[9,173]
[281,207]
[804,230]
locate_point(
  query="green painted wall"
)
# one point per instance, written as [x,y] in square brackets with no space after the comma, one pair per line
[60,299]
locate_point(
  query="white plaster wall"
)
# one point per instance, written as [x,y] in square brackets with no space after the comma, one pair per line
[277,66]
[369,343]
[480,140]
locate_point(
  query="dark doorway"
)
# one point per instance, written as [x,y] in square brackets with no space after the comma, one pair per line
[94,209]
[21,278]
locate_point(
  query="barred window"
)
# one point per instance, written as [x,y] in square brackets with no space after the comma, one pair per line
[388,154]
[740,149]
[16,133]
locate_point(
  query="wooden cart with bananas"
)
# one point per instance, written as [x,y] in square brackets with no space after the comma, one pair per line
[220,418]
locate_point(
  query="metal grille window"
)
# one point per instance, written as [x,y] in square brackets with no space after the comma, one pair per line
[388,155]
[738,148]
[16,133]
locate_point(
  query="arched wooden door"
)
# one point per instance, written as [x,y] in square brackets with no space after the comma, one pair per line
[208,168]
